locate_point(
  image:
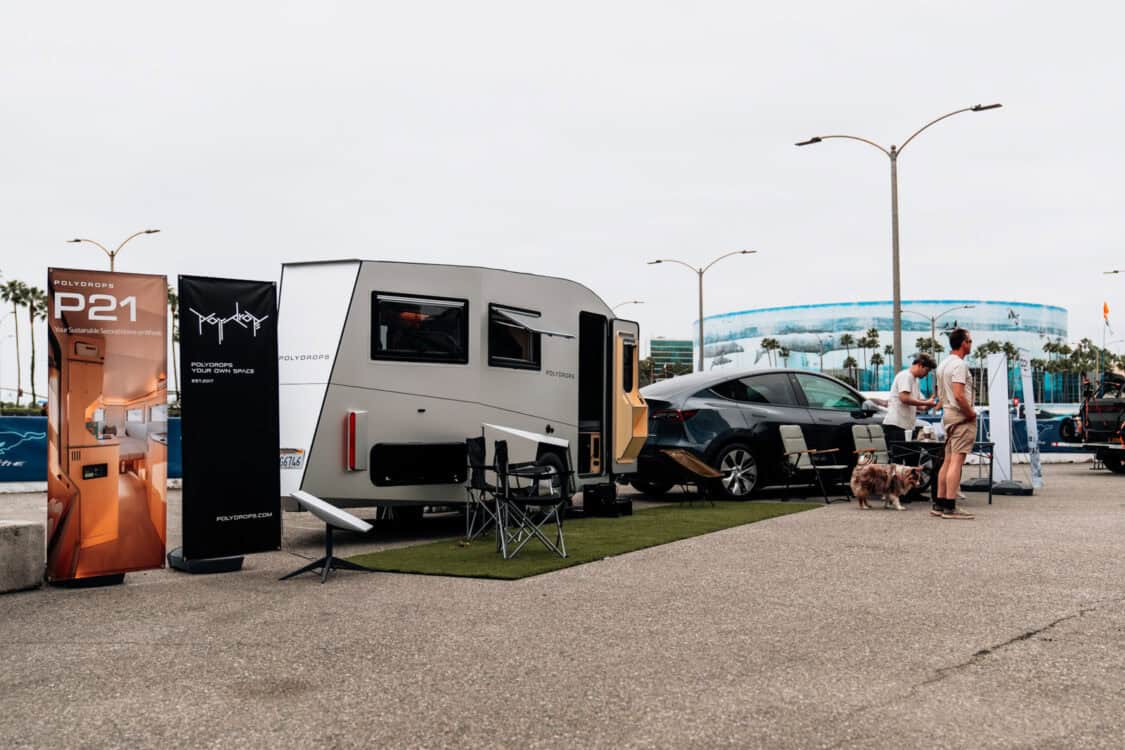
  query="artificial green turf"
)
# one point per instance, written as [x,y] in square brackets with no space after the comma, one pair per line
[587,539]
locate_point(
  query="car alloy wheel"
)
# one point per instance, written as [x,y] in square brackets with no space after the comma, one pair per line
[740,471]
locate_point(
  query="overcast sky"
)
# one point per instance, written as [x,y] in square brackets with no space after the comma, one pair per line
[575,139]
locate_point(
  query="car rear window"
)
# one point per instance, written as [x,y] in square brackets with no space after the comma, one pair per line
[771,388]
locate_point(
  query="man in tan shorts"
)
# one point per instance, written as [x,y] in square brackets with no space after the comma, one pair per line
[955,386]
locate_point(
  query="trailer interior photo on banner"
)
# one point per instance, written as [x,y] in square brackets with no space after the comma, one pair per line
[107,423]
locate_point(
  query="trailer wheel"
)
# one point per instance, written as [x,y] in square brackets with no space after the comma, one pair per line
[1116,464]
[1067,430]
[408,517]
[551,484]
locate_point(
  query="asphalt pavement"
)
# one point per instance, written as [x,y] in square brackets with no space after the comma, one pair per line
[831,628]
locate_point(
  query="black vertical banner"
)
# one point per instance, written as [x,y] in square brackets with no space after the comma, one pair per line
[228,372]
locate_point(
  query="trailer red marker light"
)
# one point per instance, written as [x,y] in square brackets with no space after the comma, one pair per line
[355,441]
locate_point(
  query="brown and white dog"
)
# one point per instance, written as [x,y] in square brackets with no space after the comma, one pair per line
[888,481]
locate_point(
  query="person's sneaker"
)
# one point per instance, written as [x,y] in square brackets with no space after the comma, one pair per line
[958,514]
[936,511]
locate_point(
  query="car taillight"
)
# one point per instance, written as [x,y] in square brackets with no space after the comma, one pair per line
[674,415]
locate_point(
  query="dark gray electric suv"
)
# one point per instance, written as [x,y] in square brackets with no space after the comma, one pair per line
[730,420]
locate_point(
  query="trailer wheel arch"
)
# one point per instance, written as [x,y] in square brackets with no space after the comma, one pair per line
[554,457]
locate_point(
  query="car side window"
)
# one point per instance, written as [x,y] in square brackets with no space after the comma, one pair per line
[771,388]
[822,393]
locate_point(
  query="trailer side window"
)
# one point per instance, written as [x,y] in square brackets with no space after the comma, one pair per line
[627,356]
[513,340]
[412,328]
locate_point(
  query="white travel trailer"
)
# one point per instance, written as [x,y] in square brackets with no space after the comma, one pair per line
[386,368]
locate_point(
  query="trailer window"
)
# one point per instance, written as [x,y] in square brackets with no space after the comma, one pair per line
[627,356]
[413,328]
[511,341]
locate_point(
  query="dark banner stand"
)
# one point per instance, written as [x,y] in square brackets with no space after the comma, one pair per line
[228,376]
[177,561]
[91,582]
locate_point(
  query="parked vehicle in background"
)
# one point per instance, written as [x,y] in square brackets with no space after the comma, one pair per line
[730,421]
[1100,423]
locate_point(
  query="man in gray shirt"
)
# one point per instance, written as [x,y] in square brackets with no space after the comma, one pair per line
[906,399]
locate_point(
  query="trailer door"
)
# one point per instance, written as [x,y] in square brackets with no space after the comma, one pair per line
[630,415]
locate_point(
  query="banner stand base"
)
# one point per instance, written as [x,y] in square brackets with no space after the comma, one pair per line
[113,579]
[1012,487]
[1002,487]
[204,566]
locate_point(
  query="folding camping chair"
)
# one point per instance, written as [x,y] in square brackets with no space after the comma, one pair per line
[692,471]
[482,508]
[870,441]
[531,496]
[799,459]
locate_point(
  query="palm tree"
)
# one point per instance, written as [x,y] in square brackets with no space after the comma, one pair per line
[1038,367]
[924,344]
[770,345]
[850,365]
[876,361]
[36,302]
[864,344]
[174,306]
[783,353]
[847,341]
[989,347]
[15,292]
[873,337]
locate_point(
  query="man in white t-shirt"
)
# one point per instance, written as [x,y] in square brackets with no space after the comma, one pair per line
[906,399]
[955,390]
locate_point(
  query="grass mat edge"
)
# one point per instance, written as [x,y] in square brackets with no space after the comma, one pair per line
[587,540]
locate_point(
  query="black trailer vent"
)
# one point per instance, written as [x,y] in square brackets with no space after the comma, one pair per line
[399,464]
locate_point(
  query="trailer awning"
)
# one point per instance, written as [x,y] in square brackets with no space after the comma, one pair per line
[526,320]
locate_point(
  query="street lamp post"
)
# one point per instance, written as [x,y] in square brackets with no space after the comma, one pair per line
[893,153]
[113,255]
[700,272]
[934,318]
[933,326]
[628,302]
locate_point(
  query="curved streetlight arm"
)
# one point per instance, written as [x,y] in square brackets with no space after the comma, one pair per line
[113,255]
[911,312]
[135,234]
[735,252]
[953,309]
[974,108]
[672,260]
[93,242]
[820,138]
